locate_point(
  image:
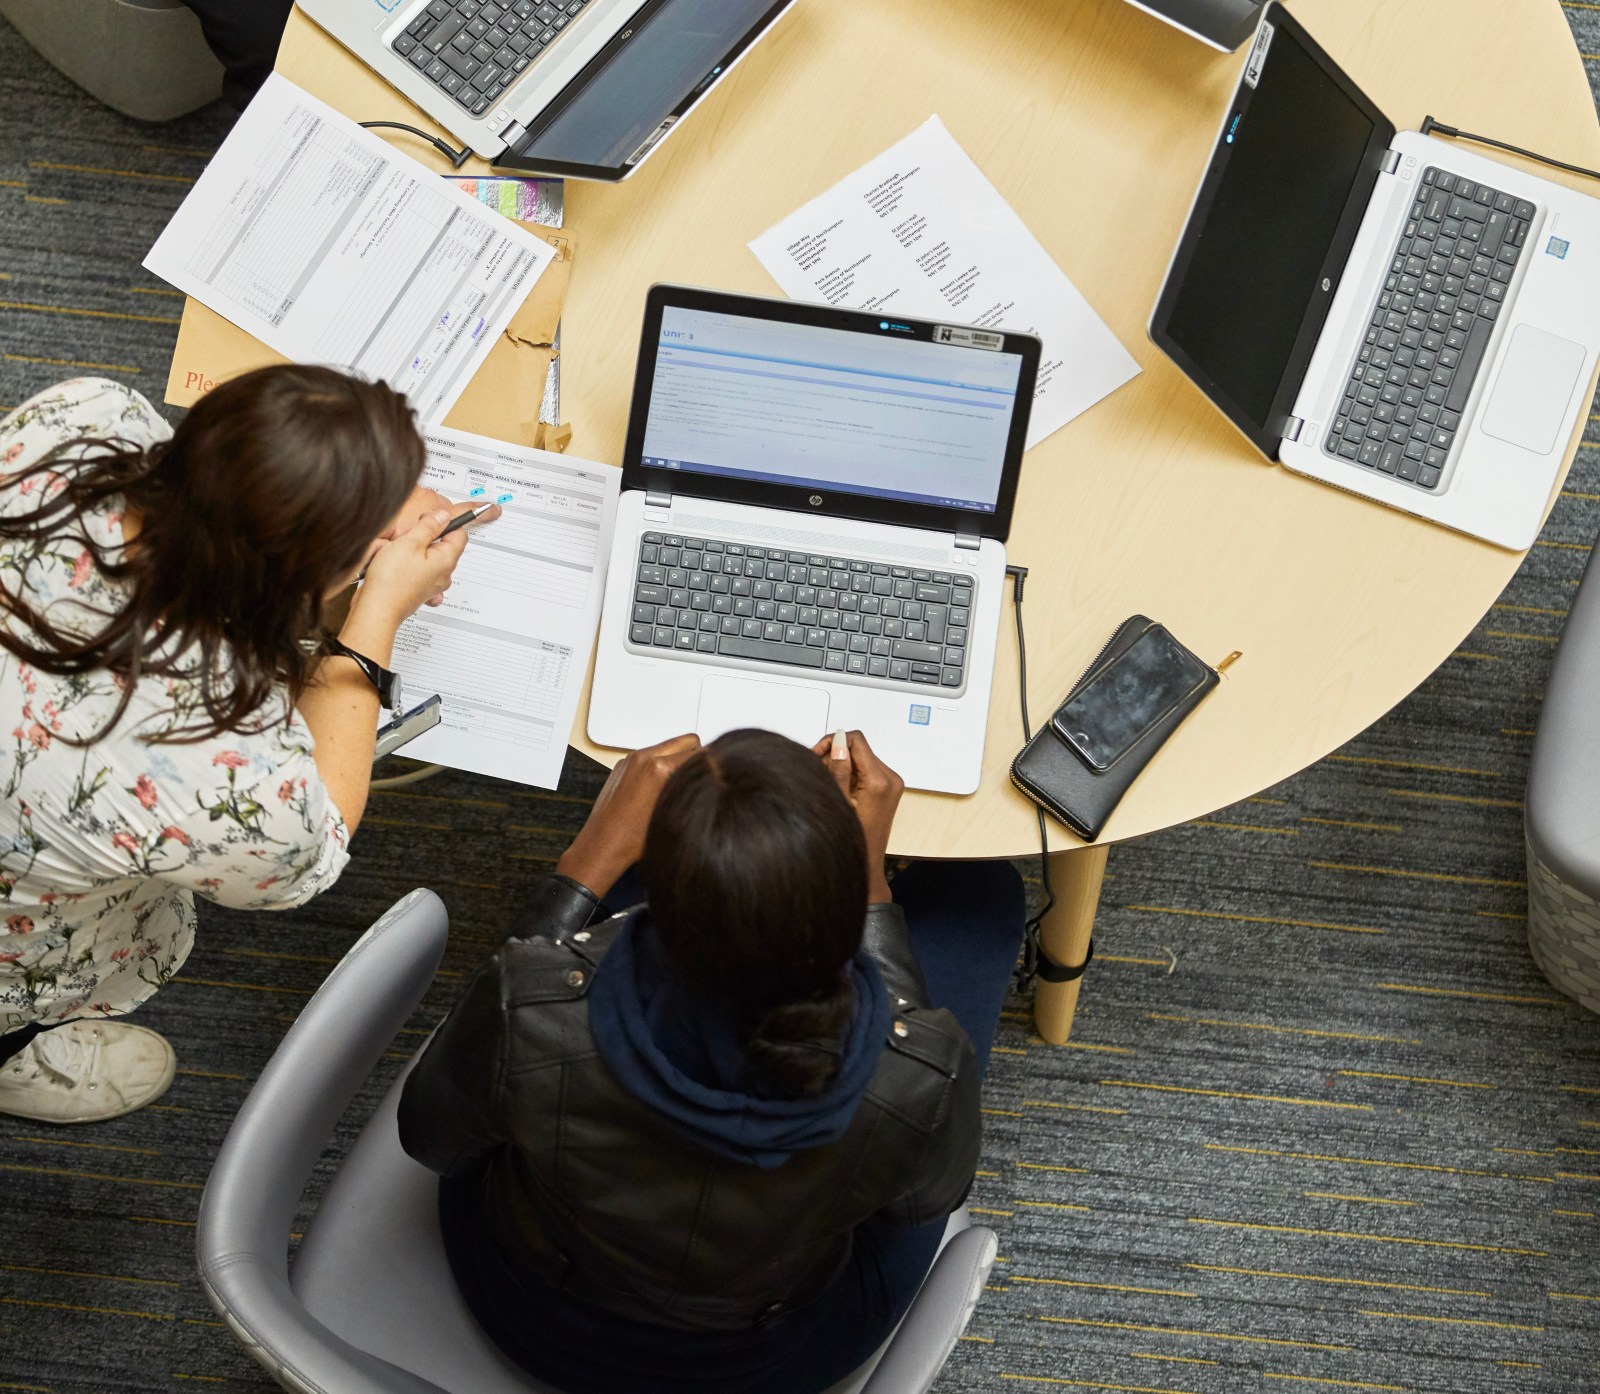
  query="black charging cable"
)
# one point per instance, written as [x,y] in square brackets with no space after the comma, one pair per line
[1432,127]
[1028,965]
[456,157]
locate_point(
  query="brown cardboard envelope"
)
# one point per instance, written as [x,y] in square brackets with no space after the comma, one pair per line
[502,400]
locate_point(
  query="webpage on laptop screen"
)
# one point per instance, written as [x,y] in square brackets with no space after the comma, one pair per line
[830,408]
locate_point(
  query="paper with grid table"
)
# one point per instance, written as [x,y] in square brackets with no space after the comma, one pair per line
[330,246]
[509,648]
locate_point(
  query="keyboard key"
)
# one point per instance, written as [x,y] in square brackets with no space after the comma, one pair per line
[800,657]
[1471,356]
[917,652]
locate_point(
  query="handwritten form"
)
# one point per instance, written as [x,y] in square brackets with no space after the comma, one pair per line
[920,232]
[509,647]
[332,247]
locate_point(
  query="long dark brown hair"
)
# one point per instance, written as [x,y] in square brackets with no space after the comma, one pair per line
[755,867]
[271,489]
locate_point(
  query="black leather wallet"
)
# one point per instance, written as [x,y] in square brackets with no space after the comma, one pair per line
[1062,782]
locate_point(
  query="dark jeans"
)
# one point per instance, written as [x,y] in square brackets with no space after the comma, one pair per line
[244,35]
[15,1042]
[965,920]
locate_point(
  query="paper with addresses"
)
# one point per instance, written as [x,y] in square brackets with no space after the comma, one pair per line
[332,247]
[920,232]
[509,648]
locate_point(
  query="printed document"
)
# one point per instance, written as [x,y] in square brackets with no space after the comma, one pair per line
[509,647]
[331,246]
[920,232]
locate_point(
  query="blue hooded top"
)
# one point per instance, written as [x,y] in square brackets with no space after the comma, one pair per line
[690,1065]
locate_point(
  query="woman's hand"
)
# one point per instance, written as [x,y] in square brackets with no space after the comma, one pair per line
[412,569]
[612,839]
[422,502]
[874,791]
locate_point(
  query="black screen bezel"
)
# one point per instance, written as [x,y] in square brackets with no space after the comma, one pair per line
[793,498]
[1267,435]
[636,32]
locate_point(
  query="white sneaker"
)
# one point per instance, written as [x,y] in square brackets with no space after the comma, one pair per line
[86,1071]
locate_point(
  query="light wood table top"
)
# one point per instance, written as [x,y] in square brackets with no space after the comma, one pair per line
[1093,120]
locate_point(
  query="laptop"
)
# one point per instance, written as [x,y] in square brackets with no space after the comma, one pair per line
[811,532]
[1388,313]
[583,89]
[1224,24]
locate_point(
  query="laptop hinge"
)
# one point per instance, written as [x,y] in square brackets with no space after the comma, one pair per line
[1292,426]
[968,541]
[658,498]
[512,134]
[1391,161]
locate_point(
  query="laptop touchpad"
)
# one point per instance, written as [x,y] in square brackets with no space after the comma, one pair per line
[1534,387]
[729,704]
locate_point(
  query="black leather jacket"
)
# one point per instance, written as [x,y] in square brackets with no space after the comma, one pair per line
[593,1192]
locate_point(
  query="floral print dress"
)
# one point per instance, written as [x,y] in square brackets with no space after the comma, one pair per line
[103,847]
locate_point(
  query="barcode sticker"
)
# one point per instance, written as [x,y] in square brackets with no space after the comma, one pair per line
[962,337]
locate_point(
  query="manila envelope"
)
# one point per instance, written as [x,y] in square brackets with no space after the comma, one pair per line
[501,401]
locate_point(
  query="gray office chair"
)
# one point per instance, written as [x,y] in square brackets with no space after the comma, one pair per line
[371,1307]
[144,58]
[1562,812]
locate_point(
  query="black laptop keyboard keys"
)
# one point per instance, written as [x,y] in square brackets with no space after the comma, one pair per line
[1425,341]
[830,615]
[473,50]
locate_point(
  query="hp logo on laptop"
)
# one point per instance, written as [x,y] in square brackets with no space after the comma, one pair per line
[815,500]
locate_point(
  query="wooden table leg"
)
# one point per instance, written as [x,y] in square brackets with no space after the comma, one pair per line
[1075,877]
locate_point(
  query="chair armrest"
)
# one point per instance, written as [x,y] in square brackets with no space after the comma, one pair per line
[1563,805]
[261,1171]
[940,1313]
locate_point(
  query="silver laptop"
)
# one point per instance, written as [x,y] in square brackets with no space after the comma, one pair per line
[1385,312]
[584,89]
[811,531]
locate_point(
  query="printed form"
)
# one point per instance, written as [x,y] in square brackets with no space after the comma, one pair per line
[509,647]
[332,247]
[920,232]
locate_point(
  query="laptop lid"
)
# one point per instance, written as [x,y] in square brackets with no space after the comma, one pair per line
[840,413]
[1277,212]
[1223,24]
[627,99]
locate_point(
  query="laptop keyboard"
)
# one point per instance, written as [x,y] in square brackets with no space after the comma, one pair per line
[1426,339]
[474,49]
[826,614]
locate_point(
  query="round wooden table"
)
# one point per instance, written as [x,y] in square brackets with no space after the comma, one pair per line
[1093,120]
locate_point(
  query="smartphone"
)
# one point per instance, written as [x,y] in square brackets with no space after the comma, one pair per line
[408,726]
[1106,717]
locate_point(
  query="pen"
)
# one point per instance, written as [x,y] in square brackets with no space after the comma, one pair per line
[465,520]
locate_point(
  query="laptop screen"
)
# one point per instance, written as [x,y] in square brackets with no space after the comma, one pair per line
[835,409]
[1292,152]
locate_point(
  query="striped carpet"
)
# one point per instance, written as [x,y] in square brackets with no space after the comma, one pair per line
[1322,1126]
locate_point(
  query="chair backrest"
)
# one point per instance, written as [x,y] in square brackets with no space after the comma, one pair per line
[255,1186]
[145,58]
[1562,810]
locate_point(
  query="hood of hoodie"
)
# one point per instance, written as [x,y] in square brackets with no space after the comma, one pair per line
[690,1065]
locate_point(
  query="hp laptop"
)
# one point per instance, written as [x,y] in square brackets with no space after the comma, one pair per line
[811,531]
[1224,24]
[1387,313]
[585,89]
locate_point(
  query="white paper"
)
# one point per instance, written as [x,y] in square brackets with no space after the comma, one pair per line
[920,232]
[509,647]
[330,246]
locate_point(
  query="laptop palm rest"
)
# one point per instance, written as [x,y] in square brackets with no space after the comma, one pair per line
[1535,384]
[731,704]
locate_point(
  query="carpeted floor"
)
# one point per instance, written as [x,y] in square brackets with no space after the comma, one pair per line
[1322,1124]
